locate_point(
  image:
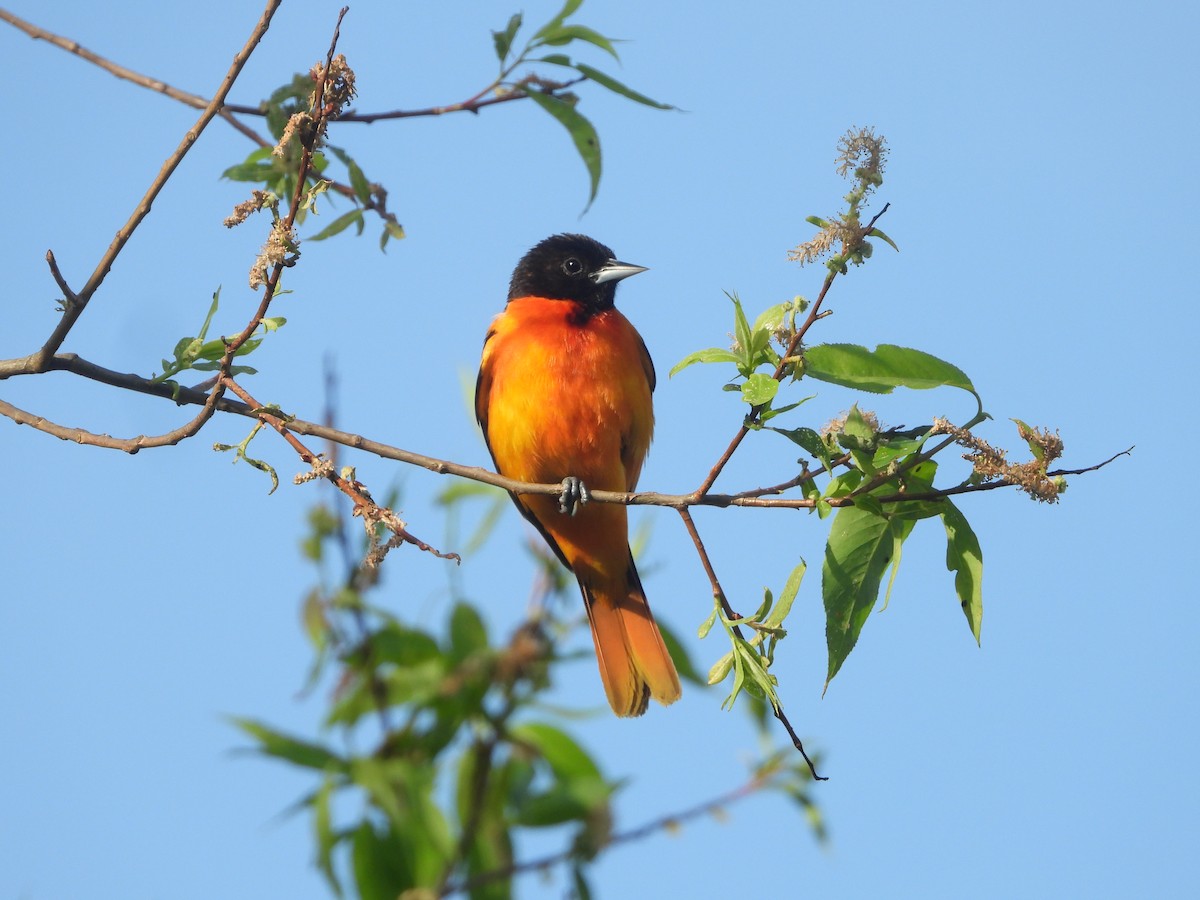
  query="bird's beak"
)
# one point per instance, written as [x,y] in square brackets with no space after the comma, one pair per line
[615,271]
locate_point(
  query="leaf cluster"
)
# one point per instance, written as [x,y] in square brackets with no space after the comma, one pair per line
[560,104]
[423,713]
[875,482]
[200,354]
[275,168]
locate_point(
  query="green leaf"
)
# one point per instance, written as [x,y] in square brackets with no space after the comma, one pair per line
[212,311]
[340,224]
[405,647]
[565,757]
[468,634]
[379,863]
[965,559]
[358,181]
[759,389]
[883,369]
[503,39]
[564,34]
[617,87]
[876,233]
[578,787]
[679,655]
[901,529]
[327,838]
[259,172]
[772,317]
[711,355]
[587,142]
[741,331]
[292,749]
[809,440]
[787,597]
[391,230]
[769,414]
[720,669]
[568,8]
[857,555]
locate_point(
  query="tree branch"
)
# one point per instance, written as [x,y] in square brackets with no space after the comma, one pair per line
[228,110]
[784,365]
[75,303]
[76,365]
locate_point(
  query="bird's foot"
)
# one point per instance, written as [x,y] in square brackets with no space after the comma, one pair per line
[574,495]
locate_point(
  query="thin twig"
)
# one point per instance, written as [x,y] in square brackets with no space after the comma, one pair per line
[662,823]
[814,313]
[39,360]
[153,84]
[76,365]
[472,105]
[719,594]
[108,442]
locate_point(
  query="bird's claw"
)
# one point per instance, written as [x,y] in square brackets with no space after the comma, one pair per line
[574,495]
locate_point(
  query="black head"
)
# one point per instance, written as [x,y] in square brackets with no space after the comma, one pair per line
[570,267]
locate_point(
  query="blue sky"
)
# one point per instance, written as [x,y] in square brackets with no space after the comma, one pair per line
[1042,199]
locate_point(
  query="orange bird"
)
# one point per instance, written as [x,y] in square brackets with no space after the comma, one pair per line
[563,395]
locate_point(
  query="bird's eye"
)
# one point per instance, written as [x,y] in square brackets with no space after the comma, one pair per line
[572,266]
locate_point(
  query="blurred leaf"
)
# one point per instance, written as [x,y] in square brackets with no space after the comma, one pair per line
[587,142]
[327,838]
[292,749]
[679,655]
[468,634]
[566,757]
[564,34]
[380,869]
[556,23]
[391,229]
[402,646]
[579,881]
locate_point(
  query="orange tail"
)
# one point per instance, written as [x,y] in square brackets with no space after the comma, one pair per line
[634,662]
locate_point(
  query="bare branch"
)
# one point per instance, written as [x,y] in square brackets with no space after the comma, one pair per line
[153,84]
[128,445]
[70,362]
[719,594]
[39,361]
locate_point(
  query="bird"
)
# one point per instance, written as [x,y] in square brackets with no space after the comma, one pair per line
[564,397]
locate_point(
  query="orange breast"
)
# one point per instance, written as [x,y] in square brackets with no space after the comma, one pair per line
[561,398]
